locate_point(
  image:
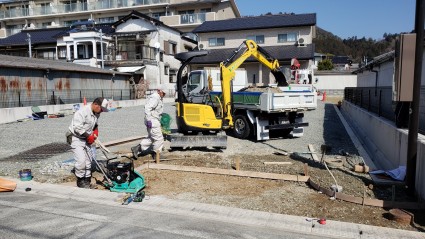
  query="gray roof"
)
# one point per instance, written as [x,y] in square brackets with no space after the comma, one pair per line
[260,22]
[41,64]
[281,53]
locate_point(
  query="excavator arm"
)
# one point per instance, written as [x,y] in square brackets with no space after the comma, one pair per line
[228,68]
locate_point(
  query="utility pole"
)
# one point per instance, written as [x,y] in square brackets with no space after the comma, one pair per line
[412,143]
[101,48]
[29,45]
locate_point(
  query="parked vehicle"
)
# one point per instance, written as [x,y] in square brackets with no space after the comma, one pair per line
[247,112]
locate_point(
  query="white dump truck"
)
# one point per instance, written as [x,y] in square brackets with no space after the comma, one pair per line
[257,111]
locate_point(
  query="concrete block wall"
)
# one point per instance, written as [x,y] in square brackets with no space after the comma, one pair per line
[384,142]
[334,84]
[9,115]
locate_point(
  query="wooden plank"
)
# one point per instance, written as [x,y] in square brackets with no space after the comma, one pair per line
[124,140]
[313,153]
[277,163]
[276,176]
[142,167]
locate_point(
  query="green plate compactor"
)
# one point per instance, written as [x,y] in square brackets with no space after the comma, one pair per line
[119,174]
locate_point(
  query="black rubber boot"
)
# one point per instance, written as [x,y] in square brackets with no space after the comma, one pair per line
[82,183]
[88,182]
[136,150]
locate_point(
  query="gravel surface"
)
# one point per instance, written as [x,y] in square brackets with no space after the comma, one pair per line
[40,146]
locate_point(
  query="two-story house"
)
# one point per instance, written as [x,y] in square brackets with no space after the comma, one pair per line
[283,36]
[146,46]
[185,15]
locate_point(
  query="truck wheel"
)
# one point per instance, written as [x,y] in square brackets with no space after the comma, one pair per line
[242,127]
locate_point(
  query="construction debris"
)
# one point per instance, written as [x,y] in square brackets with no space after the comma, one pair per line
[7,185]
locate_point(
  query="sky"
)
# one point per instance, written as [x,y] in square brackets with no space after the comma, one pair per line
[344,18]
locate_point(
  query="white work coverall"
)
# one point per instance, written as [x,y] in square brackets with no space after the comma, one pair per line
[153,110]
[83,123]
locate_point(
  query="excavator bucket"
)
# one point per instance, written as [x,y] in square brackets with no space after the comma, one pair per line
[280,78]
[198,141]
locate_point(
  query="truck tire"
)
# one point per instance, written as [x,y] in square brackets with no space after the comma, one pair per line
[242,127]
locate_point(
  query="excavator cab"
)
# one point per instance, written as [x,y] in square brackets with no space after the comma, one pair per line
[197,124]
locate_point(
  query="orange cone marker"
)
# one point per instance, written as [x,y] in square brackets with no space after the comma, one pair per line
[324,96]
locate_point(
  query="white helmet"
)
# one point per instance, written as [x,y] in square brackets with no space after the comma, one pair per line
[162,88]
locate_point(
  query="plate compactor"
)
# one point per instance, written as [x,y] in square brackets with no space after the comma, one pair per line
[119,174]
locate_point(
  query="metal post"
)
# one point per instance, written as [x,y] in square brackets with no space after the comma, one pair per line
[368,103]
[101,48]
[379,103]
[29,45]
[412,147]
[81,97]
[54,99]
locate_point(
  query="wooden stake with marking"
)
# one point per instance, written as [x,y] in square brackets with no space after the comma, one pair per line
[238,163]
[157,156]
[306,169]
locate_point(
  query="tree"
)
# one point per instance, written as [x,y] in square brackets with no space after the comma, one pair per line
[325,65]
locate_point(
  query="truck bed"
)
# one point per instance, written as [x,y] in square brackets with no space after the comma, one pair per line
[289,98]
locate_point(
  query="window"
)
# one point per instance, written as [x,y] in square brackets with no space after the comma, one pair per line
[259,39]
[157,15]
[106,20]
[288,37]
[68,23]
[170,47]
[216,41]
[46,24]
[166,70]
[44,8]
[186,12]
[205,10]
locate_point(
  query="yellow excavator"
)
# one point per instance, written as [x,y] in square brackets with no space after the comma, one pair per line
[201,125]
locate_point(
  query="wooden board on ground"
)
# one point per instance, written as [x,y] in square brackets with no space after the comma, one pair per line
[313,153]
[287,177]
[277,163]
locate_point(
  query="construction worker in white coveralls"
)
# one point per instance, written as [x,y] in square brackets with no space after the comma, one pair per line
[153,111]
[84,133]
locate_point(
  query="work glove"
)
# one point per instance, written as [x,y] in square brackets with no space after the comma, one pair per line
[93,136]
[149,124]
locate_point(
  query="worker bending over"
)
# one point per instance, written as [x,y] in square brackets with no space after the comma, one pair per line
[84,132]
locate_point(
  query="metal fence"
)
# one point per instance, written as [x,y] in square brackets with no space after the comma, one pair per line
[374,99]
[21,98]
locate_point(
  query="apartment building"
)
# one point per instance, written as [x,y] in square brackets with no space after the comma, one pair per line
[283,36]
[185,15]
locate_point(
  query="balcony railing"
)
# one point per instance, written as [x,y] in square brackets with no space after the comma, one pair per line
[74,7]
[144,53]
[192,18]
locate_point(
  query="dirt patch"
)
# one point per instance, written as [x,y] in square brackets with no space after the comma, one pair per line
[276,196]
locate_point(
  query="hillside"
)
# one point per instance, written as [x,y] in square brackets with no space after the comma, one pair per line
[355,48]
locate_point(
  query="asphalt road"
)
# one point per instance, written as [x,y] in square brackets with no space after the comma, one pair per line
[25,215]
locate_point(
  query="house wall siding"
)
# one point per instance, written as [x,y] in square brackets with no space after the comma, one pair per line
[234,38]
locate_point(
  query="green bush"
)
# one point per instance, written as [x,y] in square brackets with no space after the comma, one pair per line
[325,65]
